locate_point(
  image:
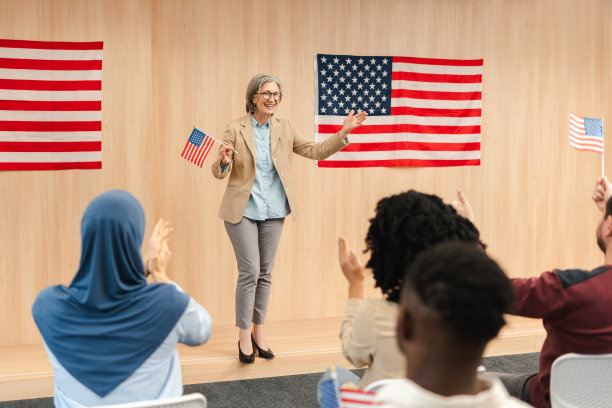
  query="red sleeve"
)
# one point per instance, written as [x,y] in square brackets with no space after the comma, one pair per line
[541,297]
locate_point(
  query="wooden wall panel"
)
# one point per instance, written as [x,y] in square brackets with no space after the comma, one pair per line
[171,64]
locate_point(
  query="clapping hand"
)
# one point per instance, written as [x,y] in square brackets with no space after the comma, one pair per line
[463,207]
[159,254]
[351,268]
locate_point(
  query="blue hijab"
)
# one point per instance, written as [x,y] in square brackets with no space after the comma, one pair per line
[109,320]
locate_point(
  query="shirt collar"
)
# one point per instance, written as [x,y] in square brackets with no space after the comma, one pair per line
[256,123]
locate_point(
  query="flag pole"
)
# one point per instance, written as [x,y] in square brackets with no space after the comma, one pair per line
[216,140]
[603,150]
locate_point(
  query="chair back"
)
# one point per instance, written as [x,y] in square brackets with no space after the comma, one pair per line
[581,380]
[195,400]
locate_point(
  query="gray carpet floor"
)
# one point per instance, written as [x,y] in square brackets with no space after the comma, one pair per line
[293,391]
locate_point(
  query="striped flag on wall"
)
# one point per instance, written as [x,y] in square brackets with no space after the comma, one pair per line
[421,112]
[197,147]
[586,133]
[50,105]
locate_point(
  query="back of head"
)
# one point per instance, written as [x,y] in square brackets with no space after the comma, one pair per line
[466,289]
[405,225]
[111,266]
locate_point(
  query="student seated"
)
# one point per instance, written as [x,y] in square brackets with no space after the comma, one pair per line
[110,336]
[404,225]
[452,303]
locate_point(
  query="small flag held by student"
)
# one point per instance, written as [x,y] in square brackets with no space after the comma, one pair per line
[356,398]
[197,147]
[330,391]
[586,133]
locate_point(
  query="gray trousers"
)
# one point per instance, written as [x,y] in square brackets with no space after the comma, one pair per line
[255,244]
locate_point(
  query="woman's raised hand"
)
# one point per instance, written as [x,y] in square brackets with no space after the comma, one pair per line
[159,254]
[351,268]
[353,121]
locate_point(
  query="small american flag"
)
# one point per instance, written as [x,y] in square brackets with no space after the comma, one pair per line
[197,147]
[421,112]
[586,133]
[356,398]
[50,105]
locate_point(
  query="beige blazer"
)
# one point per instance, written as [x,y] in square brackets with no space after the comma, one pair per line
[284,141]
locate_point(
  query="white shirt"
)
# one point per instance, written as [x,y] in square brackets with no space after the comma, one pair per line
[158,377]
[405,393]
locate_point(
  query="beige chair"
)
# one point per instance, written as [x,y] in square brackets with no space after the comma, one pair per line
[186,401]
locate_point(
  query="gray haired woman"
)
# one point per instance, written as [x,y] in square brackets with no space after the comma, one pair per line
[257,153]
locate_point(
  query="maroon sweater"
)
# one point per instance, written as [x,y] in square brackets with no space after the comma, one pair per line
[576,309]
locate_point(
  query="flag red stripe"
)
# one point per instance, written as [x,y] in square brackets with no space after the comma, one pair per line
[399,163]
[449,78]
[51,65]
[69,106]
[50,146]
[34,85]
[435,61]
[456,113]
[404,128]
[51,166]
[207,147]
[421,146]
[588,150]
[456,96]
[185,148]
[197,159]
[51,45]
[50,126]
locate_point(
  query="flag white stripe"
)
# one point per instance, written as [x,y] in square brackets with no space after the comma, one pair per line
[37,54]
[436,86]
[587,147]
[577,129]
[22,95]
[405,119]
[43,157]
[51,116]
[45,75]
[406,154]
[592,139]
[436,103]
[407,137]
[10,136]
[437,69]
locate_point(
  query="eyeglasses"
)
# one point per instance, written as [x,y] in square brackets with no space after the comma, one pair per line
[268,95]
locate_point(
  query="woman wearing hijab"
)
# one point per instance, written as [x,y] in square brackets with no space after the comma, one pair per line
[259,195]
[110,336]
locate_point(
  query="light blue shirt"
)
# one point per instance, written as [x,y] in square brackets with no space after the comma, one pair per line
[268,199]
[158,377]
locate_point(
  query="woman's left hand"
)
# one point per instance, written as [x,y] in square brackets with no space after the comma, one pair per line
[353,121]
[351,268]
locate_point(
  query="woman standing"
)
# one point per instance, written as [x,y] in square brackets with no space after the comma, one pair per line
[257,153]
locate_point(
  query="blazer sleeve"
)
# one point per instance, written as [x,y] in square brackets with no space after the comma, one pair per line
[227,139]
[317,151]
[357,333]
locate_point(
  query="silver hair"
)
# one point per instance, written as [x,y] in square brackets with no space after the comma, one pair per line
[255,85]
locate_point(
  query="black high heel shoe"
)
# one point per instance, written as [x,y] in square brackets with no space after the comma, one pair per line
[245,358]
[262,353]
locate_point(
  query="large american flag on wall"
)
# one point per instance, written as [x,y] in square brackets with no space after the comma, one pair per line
[50,105]
[421,112]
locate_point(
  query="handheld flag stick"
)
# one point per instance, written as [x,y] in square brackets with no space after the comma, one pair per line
[603,148]
[216,140]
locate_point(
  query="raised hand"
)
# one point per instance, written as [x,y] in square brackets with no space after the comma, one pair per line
[602,192]
[351,268]
[159,254]
[353,121]
[463,207]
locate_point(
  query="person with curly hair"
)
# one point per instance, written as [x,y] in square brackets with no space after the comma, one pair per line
[405,225]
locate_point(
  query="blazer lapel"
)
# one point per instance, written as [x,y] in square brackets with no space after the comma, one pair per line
[274,133]
[247,134]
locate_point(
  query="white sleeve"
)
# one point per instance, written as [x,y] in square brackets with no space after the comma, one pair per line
[195,325]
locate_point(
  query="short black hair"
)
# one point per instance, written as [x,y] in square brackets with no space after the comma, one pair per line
[405,225]
[467,289]
[608,207]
